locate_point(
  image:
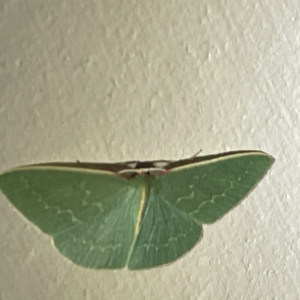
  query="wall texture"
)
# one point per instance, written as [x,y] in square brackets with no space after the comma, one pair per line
[122,80]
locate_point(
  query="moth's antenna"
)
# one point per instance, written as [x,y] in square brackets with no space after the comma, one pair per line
[196,154]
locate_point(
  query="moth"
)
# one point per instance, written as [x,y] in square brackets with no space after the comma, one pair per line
[134,215]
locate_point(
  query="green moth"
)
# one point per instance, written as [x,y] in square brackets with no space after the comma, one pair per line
[133,215]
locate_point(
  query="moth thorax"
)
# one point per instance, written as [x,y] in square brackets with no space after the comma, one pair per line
[129,173]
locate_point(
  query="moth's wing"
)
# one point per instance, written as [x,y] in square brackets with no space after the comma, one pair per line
[193,192]
[90,214]
[207,189]
[165,233]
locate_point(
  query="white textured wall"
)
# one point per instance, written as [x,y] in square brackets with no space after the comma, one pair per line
[121,80]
